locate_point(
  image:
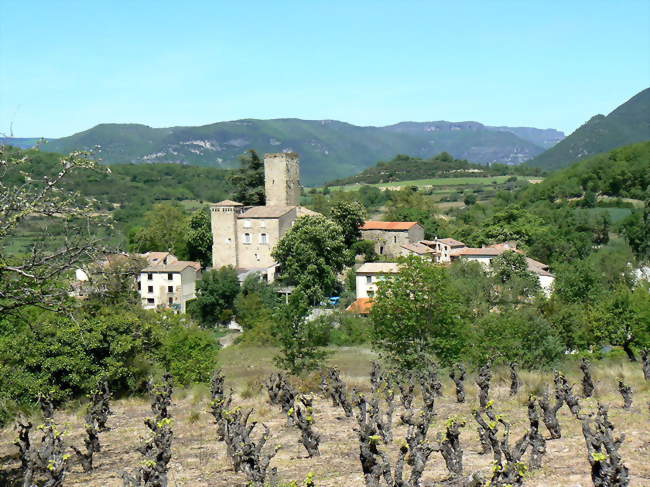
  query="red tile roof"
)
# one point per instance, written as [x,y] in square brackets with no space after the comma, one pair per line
[375,225]
[361,306]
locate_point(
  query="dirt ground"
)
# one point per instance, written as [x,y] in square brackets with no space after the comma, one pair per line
[200,460]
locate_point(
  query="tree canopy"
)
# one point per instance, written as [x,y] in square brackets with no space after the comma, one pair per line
[311,255]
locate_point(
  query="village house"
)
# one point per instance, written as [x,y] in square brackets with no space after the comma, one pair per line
[389,237]
[168,283]
[485,255]
[443,247]
[163,282]
[368,276]
[244,236]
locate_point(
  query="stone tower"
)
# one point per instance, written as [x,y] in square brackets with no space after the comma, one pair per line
[223,218]
[282,179]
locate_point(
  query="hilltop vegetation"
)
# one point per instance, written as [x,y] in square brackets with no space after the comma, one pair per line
[628,124]
[406,168]
[621,173]
[328,148]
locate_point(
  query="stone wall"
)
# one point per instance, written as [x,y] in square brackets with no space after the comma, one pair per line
[282,179]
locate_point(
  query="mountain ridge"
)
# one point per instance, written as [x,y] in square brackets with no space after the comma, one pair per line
[627,124]
[328,148]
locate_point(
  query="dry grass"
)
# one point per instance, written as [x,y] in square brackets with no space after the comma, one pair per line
[198,459]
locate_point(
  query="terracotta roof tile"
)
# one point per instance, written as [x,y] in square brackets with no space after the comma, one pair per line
[361,306]
[377,225]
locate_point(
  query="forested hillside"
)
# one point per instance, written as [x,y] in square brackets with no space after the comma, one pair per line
[328,148]
[628,124]
[623,172]
[406,168]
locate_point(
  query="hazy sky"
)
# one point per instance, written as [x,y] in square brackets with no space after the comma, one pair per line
[66,66]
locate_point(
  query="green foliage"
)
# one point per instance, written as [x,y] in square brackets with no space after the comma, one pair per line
[254,307]
[165,230]
[199,238]
[407,168]
[215,297]
[350,216]
[66,356]
[636,229]
[510,269]
[418,315]
[623,172]
[519,335]
[365,248]
[297,337]
[623,319]
[311,255]
[413,206]
[189,354]
[248,182]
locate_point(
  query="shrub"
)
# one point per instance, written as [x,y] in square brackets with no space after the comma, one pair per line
[517,335]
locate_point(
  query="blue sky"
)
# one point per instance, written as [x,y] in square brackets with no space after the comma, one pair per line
[66,66]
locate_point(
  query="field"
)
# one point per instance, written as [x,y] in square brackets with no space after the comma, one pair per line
[424,183]
[199,459]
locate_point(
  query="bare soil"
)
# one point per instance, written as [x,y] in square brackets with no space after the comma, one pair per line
[200,460]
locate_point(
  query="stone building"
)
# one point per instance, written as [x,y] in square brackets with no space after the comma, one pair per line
[389,237]
[244,236]
[168,284]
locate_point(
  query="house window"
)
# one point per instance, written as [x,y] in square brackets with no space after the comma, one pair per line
[368,279]
[247,224]
[171,301]
[150,289]
[150,300]
[371,294]
[394,238]
[170,276]
[247,238]
[264,238]
[150,276]
[139,285]
[170,289]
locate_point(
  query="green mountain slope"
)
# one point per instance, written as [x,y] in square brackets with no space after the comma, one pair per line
[328,149]
[623,172]
[628,124]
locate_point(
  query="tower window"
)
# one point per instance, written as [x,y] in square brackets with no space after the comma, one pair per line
[264,238]
[170,289]
[247,238]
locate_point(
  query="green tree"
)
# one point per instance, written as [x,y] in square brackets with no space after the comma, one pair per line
[249,181]
[513,278]
[520,335]
[469,198]
[406,205]
[623,319]
[418,315]
[578,282]
[350,216]
[297,337]
[199,238]
[636,229]
[311,255]
[215,297]
[189,354]
[165,230]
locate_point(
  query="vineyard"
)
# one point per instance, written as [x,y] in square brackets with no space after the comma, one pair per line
[351,426]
